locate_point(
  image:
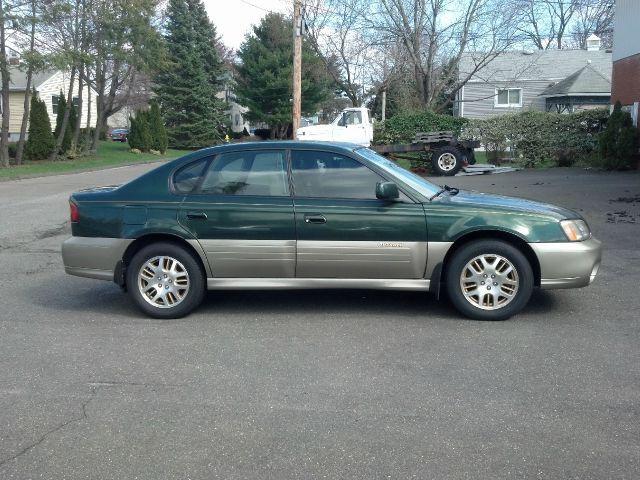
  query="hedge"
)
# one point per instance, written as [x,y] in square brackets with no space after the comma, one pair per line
[402,128]
[536,137]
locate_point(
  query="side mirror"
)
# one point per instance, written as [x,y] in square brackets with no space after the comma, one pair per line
[387,191]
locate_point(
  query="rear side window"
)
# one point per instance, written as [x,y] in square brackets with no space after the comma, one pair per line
[187,178]
[261,173]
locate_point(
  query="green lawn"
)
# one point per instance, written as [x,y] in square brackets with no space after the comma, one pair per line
[110,154]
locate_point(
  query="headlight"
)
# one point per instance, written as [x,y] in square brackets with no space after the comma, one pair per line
[575,230]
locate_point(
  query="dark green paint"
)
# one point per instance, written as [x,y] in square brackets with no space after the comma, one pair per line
[119,212]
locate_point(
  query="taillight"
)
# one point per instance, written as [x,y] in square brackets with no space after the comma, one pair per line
[75,212]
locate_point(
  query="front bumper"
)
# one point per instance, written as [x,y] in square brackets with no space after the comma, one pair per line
[568,265]
[93,257]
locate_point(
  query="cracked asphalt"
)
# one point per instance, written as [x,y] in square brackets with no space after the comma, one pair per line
[317,384]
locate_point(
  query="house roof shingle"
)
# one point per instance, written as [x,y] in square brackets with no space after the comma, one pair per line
[19,78]
[552,65]
[585,82]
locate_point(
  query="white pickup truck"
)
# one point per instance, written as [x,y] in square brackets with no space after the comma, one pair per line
[353,125]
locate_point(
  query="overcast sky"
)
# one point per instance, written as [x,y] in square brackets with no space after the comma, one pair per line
[233,18]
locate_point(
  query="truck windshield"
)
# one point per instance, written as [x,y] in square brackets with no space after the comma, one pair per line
[426,188]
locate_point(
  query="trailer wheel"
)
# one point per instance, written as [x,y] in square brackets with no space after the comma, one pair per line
[447,161]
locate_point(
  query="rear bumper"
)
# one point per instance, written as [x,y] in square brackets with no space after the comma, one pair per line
[568,265]
[93,257]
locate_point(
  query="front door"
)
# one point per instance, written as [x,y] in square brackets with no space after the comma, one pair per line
[242,215]
[350,128]
[344,231]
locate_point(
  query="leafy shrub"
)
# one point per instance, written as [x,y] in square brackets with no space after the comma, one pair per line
[402,128]
[539,137]
[619,142]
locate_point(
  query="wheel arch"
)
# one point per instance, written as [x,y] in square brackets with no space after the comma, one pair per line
[191,246]
[506,237]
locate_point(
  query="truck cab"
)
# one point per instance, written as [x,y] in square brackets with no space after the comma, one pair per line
[352,125]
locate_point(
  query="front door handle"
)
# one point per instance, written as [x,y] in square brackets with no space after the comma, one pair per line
[196,215]
[315,219]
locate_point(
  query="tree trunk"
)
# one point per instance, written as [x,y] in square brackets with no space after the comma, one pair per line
[87,139]
[27,93]
[67,111]
[76,133]
[100,86]
[4,72]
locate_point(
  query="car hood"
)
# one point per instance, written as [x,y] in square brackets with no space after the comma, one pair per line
[513,204]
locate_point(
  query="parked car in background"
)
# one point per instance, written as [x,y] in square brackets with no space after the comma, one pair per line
[119,134]
[292,215]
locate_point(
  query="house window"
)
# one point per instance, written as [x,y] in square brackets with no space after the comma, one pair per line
[56,98]
[508,97]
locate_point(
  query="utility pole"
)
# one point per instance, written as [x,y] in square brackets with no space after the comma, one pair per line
[384,105]
[297,65]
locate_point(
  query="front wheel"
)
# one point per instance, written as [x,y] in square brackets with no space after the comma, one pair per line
[489,280]
[165,281]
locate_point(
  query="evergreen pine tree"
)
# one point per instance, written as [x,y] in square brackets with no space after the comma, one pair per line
[142,120]
[159,139]
[133,138]
[187,88]
[264,82]
[619,141]
[40,141]
[66,142]
[71,126]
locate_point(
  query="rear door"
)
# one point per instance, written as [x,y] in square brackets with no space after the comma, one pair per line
[242,215]
[344,231]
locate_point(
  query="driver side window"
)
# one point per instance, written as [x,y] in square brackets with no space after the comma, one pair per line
[330,175]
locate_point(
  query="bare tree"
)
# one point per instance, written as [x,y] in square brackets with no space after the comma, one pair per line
[337,31]
[545,23]
[437,33]
[34,62]
[594,17]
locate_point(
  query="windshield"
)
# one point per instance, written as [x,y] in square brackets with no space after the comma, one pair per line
[416,182]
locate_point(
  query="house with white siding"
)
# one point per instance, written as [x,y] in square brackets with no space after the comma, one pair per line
[545,80]
[47,86]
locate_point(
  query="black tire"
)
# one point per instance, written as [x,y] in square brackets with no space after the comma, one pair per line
[178,269]
[471,269]
[447,161]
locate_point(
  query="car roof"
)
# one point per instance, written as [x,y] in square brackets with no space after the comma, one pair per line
[283,144]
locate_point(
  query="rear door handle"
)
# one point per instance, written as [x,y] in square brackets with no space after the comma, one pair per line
[316,219]
[197,215]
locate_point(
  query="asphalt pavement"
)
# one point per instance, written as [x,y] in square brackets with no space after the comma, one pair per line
[318,384]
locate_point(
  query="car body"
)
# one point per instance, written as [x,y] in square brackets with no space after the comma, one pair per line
[119,134]
[295,215]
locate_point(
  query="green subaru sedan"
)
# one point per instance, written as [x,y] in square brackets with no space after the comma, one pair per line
[294,215]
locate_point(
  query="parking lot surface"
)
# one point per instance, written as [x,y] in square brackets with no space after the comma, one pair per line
[318,384]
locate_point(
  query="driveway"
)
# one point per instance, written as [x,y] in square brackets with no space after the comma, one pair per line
[318,384]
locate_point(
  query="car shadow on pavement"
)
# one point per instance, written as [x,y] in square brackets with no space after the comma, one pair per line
[82,295]
[104,298]
[327,302]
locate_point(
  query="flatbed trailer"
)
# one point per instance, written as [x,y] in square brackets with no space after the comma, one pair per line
[448,155]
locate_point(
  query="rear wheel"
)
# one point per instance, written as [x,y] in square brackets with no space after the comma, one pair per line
[447,161]
[489,280]
[165,281]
